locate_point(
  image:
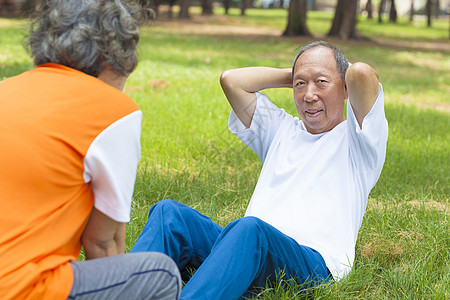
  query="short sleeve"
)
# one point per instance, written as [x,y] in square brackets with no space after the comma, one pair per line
[111,165]
[265,123]
[368,144]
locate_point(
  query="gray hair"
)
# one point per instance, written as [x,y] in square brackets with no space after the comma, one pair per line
[339,57]
[88,35]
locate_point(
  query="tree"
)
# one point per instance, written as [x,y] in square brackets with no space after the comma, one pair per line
[437,8]
[7,8]
[244,5]
[393,12]
[170,11]
[381,10]
[29,7]
[411,11]
[430,4]
[297,19]
[184,9]
[428,12]
[226,5]
[155,6]
[369,9]
[207,7]
[344,21]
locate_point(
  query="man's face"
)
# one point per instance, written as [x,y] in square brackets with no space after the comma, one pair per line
[319,92]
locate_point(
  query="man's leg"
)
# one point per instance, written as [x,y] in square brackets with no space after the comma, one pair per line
[178,231]
[246,254]
[128,276]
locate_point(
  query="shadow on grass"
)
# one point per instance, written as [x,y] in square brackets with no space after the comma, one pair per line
[417,154]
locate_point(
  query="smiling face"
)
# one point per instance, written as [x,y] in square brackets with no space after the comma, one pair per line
[319,92]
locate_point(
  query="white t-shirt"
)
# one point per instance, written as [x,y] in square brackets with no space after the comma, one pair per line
[314,187]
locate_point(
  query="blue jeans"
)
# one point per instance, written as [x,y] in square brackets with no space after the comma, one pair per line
[245,254]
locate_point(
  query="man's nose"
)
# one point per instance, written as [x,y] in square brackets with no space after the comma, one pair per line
[310,94]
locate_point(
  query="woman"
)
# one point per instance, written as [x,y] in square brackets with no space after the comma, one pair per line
[70,148]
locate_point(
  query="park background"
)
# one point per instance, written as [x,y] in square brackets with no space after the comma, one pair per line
[188,154]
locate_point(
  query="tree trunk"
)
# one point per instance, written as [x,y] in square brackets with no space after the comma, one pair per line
[344,22]
[381,10]
[428,12]
[437,9]
[297,19]
[226,5]
[369,9]
[29,7]
[184,9]
[170,11]
[411,11]
[244,5]
[393,12]
[207,7]
[7,8]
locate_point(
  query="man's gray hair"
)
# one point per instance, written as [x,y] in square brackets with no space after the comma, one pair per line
[88,35]
[341,61]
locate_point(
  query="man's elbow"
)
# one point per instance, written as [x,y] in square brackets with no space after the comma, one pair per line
[361,71]
[225,80]
[362,83]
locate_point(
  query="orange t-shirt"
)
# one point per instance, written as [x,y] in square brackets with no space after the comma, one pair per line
[49,116]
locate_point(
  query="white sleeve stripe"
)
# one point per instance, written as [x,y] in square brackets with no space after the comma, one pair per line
[111,163]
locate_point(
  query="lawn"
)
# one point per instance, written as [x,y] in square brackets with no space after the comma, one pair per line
[403,248]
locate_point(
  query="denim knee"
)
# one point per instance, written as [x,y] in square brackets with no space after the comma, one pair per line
[248,224]
[164,205]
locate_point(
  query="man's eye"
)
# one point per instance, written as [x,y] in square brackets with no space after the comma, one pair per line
[300,83]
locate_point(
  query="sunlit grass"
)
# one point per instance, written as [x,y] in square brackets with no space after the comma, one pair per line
[189,155]
[403,30]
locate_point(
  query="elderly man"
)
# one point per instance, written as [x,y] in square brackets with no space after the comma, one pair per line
[70,145]
[309,202]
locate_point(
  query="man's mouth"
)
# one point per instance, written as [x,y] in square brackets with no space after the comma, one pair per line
[313,112]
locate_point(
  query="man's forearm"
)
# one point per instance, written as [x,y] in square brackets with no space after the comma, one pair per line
[254,79]
[240,85]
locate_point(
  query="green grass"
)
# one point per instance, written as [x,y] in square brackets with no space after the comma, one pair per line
[13,57]
[319,23]
[189,155]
